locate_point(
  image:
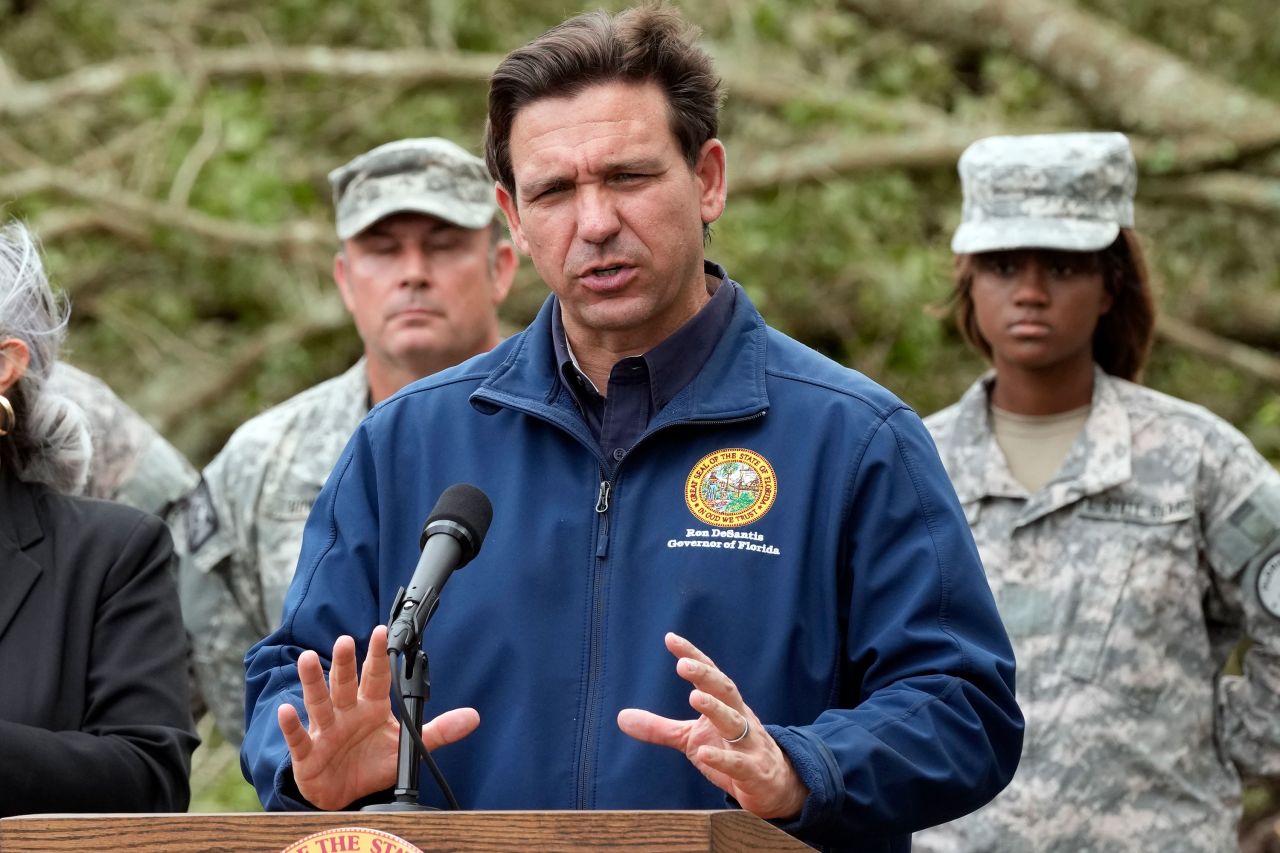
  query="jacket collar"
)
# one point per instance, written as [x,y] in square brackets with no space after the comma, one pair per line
[730,385]
[1100,458]
[19,523]
[20,529]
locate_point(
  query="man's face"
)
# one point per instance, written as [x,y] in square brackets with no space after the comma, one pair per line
[423,291]
[611,213]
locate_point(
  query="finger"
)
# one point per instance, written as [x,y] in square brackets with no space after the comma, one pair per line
[682,648]
[450,727]
[650,728]
[295,734]
[375,678]
[343,679]
[728,722]
[729,762]
[315,693]
[710,679]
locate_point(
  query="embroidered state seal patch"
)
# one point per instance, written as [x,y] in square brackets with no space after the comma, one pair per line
[731,487]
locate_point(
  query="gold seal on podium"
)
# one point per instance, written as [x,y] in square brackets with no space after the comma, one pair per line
[351,839]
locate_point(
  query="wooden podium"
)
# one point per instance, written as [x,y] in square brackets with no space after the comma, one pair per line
[433,832]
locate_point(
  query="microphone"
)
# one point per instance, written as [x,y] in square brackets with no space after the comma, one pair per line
[450,539]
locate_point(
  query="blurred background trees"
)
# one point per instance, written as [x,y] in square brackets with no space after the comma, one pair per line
[172,155]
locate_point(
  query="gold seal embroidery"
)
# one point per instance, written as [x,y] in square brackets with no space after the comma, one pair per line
[731,487]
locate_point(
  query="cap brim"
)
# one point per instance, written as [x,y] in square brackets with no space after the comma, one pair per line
[1069,235]
[450,209]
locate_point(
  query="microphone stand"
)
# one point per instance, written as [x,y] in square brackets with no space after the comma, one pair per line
[414,684]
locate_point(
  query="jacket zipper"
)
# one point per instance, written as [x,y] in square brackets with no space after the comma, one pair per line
[586,765]
[595,659]
[595,662]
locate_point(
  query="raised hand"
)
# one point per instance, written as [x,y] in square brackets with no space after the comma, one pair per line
[727,742]
[348,750]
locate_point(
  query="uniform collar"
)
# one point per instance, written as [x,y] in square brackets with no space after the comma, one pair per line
[1099,459]
[355,386]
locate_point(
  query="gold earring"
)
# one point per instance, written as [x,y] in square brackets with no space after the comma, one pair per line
[10,422]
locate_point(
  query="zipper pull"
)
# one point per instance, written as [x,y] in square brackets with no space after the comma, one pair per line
[602,502]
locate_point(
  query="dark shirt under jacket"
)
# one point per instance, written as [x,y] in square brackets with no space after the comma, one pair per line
[639,386]
[93,683]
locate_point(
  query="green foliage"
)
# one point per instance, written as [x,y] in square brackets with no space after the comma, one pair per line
[850,265]
[855,265]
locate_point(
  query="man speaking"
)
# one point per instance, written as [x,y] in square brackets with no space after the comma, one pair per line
[665,470]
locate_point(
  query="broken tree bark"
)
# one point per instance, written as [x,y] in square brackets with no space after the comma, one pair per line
[1134,83]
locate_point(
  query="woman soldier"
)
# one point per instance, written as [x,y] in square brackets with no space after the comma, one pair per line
[1131,539]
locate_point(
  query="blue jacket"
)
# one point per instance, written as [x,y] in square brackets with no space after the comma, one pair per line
[852,612]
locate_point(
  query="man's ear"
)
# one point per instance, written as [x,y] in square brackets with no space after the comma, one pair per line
[340,278]
[505,262]
[711,172]
[15,358]
[507,202]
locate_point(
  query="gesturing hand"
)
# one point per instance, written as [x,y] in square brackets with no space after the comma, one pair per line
[751,768]
[348,750]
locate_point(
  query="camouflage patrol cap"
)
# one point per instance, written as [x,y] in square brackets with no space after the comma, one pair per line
[1071,191]
[431,175]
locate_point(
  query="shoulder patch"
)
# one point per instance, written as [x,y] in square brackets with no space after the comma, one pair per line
[199,517]
[1269,585]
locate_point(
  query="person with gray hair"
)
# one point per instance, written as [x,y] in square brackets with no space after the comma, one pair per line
[423,266]
[48,437]
[89,618]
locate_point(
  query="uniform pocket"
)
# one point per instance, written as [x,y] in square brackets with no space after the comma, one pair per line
[1096,603]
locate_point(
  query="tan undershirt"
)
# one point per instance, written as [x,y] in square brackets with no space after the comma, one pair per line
[1036,445]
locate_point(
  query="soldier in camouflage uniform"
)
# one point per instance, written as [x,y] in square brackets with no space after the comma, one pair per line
[422,270]
[131,462]
[1131,539]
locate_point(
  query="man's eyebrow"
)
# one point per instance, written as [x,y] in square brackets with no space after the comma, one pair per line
[537,185]
[628,164]
[607,167]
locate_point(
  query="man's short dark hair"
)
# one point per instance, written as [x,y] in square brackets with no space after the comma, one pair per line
[650,43]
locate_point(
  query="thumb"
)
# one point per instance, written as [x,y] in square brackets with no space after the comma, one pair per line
[450,727]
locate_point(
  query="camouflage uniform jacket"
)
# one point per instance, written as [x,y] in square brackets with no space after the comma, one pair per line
[131,462]
[1125,583]
[241,530]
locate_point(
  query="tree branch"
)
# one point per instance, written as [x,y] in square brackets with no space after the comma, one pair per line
[330,317]
[403,67]
[221,236]
[938,150]
[1232,189]
[1244,358]
[1133,82]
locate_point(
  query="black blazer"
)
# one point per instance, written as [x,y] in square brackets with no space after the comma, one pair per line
[93,682]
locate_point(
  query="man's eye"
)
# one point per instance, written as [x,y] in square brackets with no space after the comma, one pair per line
[551,190]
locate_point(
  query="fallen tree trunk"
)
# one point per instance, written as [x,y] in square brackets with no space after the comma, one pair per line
[1132,82]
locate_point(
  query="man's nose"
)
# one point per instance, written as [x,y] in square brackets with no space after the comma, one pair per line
[597,215]
[415,267]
